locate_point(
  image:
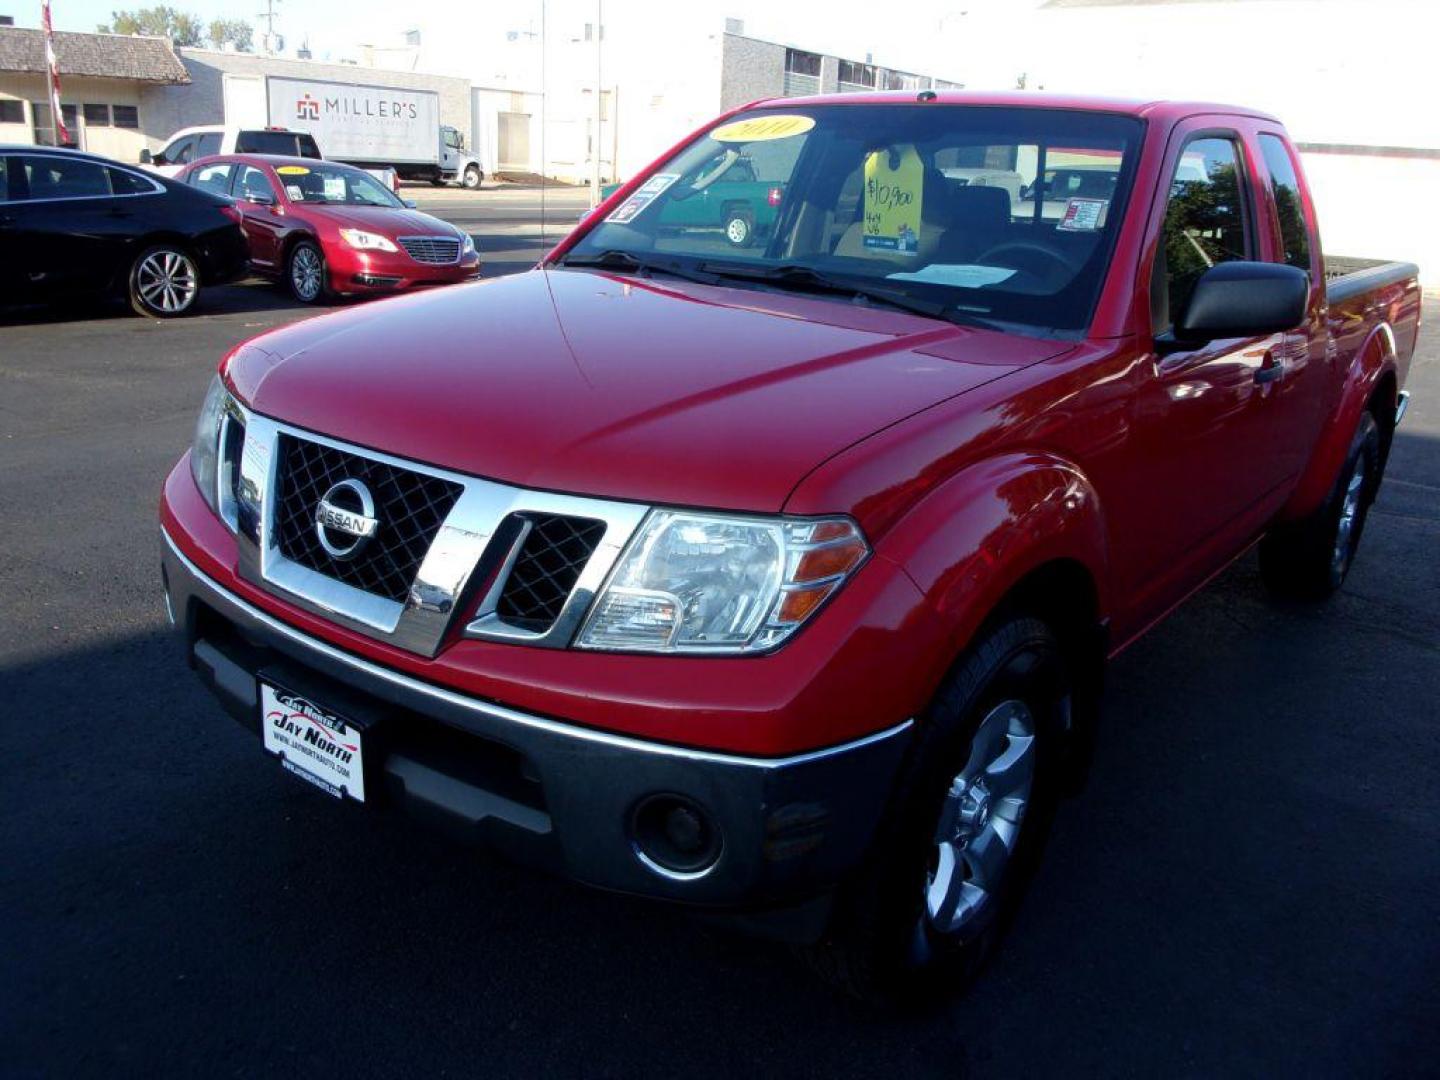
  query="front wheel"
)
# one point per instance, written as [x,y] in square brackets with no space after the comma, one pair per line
[1308,560]
[306,272]
[472,178]
[970,812]
[164,282]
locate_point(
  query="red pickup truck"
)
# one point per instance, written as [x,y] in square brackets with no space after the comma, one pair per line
[779,581]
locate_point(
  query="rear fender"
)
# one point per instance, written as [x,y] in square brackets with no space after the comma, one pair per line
[1371,363]
[974,538]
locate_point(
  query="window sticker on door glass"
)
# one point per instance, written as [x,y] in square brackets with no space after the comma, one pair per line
[763,128]
[296,192]
[965,276]
[894,182]
[335,188]
[1083,215]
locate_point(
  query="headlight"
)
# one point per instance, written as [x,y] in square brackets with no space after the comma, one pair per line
[467,246]
[367,241]
[215,453]
[205,451]
[712,584]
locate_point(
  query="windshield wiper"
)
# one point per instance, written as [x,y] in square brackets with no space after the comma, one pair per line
[629,263]
[809,280]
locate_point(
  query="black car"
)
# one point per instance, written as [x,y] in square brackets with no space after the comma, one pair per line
[75,224]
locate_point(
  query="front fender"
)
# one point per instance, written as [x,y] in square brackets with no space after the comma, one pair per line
[1371,362]
[973,538]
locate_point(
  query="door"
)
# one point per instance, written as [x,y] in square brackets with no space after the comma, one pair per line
[245,101]
[1209,454]
[69,232]
[514,141]
[450,149]
[259,206]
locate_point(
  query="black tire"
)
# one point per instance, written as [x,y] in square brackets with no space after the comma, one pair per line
[437,181]
[739,227]
[884,945]
[1308,560]
[164,282]
[306,273]
[472,178]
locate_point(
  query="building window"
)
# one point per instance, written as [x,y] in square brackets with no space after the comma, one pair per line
[97,116]
[802,63]
[44,129]
[855,76]
[898,80]
[12,112]
[126,116]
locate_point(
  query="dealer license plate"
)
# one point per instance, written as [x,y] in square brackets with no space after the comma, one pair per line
[312,742]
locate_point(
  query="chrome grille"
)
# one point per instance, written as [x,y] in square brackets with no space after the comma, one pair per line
[554,551]
[432,249]
[410,507]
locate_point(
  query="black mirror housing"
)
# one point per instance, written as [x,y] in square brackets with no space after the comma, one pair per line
[1244,299]
[146,158]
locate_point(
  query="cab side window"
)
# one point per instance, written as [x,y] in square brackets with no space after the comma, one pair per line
[180,151]
[1205,222]
[208,144]
[1289,209]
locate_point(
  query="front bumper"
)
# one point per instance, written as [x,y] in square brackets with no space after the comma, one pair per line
[353,271]
[547,792]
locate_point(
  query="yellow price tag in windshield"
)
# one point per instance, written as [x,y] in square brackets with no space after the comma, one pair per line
[763,129]
[293,170]
[894,194]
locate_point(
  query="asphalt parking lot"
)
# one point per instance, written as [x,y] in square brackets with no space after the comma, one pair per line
[1248,885]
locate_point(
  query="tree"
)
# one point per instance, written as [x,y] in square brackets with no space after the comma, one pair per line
[237,33]
[160,21]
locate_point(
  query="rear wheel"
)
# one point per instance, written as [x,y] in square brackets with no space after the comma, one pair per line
[472,177]
[164,282]
[1309,559]
[739,227]
[948,866]
[305,272]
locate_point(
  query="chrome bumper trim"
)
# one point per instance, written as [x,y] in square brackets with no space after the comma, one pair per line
[234,606]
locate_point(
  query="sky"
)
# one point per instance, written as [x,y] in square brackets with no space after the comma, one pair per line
[901,36]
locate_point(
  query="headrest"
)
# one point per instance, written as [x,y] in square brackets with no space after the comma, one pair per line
[985,207]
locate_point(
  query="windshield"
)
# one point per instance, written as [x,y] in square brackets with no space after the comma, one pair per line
[989,214]
[334,184]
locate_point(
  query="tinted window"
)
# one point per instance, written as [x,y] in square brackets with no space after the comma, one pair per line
[125,116]
[1205,218]
[4,180]
[97,115]
[267,142]
[12,111]
[64,178]
[127,183]
[213,178]
[252,182]
[1285,187]
[308,147]
[209,144]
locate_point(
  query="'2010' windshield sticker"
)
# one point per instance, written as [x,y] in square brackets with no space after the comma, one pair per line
[1083,215]
[763,128]
[642,197]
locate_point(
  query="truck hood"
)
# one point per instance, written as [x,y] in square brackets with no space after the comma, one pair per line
[647,390]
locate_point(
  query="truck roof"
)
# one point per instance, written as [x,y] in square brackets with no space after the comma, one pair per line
[1162,110]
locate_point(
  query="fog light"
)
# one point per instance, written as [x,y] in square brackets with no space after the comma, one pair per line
[675,837]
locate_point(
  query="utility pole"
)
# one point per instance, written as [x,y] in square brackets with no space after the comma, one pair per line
[596,142]
[269,16]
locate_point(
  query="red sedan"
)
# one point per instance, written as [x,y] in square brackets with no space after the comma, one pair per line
[326,229]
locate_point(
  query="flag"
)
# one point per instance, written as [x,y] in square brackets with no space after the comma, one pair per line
[62,133]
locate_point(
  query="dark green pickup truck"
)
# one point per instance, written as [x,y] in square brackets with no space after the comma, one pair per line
[737,203]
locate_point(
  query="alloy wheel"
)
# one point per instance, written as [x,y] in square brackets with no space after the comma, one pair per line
[167,281]
[305,272]
[1350,508]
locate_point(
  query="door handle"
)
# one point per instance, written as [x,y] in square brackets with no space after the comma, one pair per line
[1272,370]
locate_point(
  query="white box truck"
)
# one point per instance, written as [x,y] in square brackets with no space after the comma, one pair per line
[375,126]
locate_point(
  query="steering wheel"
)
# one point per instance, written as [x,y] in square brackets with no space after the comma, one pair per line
[1049,259]
[707,176]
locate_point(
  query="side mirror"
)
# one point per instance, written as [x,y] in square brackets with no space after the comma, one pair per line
[1241,299]
[410,204]
[259,199]
[146,158]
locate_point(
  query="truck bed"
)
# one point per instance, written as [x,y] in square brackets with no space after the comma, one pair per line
[1347,277]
